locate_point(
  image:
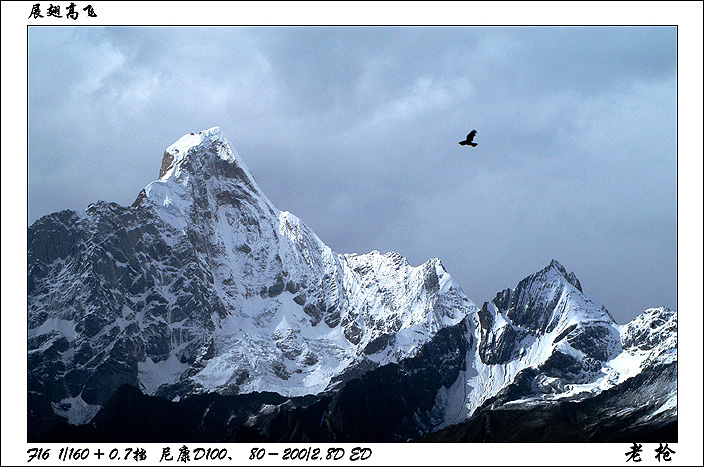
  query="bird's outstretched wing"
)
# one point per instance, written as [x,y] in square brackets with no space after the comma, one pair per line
[470,137]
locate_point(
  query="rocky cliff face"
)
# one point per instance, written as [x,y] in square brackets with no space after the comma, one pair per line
[203,285]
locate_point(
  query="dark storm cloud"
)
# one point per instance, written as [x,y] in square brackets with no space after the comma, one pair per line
[355,130]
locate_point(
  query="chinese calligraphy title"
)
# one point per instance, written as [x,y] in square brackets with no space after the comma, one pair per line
[55,11]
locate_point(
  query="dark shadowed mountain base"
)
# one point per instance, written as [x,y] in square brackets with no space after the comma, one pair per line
[610,416]
[130,416]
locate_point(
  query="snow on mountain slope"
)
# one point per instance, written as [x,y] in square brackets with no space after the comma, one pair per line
[546,341]
[539,356]
[203,285]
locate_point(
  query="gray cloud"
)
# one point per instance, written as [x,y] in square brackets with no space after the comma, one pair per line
[355,130]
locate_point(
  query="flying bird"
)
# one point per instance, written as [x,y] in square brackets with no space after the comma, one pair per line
[469,140]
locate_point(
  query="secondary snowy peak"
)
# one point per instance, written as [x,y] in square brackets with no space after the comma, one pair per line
[652,333]
[545,324]
[544,341]
[548,298]
[545,311]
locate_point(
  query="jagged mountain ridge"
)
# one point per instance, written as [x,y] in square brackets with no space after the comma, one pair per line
[407,400]
[203,285]
[568,366]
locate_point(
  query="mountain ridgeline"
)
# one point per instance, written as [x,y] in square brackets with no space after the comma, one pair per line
[203,313]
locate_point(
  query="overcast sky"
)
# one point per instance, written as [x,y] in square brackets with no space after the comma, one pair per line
[355,131]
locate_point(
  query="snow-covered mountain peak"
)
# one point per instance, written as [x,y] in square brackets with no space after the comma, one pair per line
[203,169]
[204,151]
[178,152]
[203,285]
[207,154]
[193,139]
[557,270]
[548,299]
